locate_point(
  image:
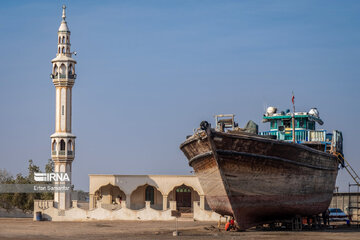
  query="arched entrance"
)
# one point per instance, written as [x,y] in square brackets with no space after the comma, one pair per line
[184,196]
[146,193]
[150,194]
[109,195]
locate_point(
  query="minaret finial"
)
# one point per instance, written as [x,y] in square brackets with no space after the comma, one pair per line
[63,14]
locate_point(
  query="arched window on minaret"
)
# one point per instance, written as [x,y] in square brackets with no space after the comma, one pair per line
[69,147]
[67,50]
[71,69]
[55,70]
[59,50]
[67,39]
[63,39]
[62,70]
[53,145]
[62,145]
[59,39]
[63,50]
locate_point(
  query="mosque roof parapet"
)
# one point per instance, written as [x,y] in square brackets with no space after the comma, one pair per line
[63,58]
[62,134]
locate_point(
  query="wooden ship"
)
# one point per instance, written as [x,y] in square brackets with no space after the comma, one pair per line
[289,171]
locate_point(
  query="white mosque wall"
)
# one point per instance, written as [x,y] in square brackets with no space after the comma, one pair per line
[49,212]
[204,215]
[122,197]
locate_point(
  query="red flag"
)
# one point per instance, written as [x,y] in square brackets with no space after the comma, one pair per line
[293,99]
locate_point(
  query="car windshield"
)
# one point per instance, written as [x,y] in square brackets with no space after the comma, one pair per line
[334,210]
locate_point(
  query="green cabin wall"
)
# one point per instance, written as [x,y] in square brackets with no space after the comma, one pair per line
[300,123]
[304,125]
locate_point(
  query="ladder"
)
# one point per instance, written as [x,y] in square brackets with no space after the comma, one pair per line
[348,168]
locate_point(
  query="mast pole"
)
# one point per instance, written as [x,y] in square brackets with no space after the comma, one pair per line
[293,117]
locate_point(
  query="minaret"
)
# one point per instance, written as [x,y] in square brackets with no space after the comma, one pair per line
[63,141]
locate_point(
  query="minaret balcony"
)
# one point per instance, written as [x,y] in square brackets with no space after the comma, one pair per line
[72,76]
[62,153]
[62,76]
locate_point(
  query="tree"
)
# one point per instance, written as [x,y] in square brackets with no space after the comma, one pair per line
[21,200]
[6,198]
[5,176]
[49,167]
[32,169]
[24,201]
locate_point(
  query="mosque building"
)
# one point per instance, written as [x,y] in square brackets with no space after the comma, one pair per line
[111,197]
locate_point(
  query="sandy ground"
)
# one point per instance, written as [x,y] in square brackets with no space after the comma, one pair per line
[28,229]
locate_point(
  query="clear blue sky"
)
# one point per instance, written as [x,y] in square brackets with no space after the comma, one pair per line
[150,71]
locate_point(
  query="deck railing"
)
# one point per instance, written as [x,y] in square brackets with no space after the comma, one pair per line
[317,136]
[300,135]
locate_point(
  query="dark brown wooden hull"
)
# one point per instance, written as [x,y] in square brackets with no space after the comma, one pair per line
[258,180]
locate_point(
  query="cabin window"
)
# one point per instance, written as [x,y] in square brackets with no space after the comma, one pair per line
[272,124]
[287,123]
[301,123]
[311,125]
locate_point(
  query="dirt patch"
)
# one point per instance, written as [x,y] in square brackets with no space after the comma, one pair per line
[109,230]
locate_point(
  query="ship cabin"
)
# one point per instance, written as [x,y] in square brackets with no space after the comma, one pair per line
[281,127]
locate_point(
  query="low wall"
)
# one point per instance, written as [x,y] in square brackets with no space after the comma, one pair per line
[15,213]
[204,215]
[49,212]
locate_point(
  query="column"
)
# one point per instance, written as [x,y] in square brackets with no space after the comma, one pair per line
[165,198]
[128,201]
[91,201]
[173,205]
[202,202]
